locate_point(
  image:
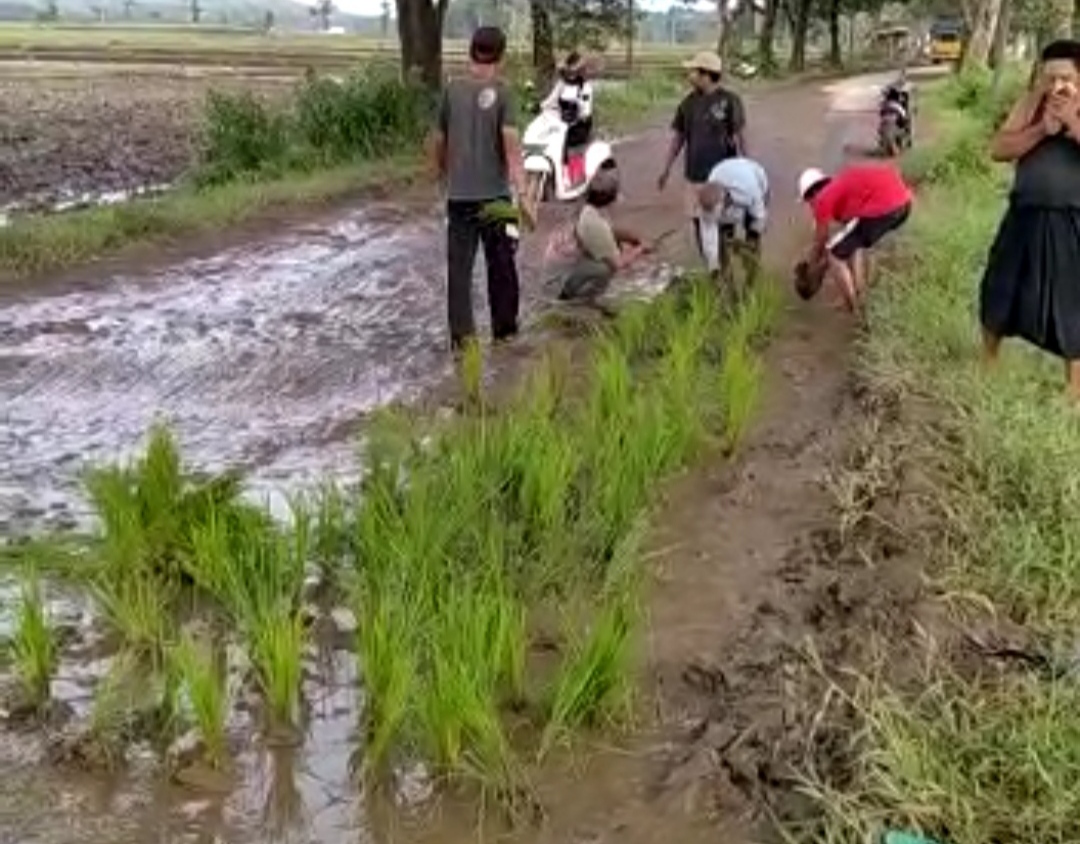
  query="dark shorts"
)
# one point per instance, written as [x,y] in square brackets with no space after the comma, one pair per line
[866,232]
[751,229]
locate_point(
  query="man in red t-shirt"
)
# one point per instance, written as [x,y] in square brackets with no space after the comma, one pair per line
[867,201]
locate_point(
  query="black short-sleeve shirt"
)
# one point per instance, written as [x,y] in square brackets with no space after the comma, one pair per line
[709,124]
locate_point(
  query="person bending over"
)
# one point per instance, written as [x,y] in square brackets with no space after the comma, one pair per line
[735,197]
[864,202]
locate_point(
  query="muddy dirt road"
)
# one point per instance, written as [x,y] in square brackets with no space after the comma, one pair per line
[265,355]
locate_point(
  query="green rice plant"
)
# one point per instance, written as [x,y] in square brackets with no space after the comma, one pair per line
[277,653]
[33,646]
[501,211]
[149,508]
[633,328]
[458,537]
[386,642]
[548,472]
[140,609]
[594,681]
[118,699]
[458,706]
[472,372]
[739,388]
[200,673]
[332,541]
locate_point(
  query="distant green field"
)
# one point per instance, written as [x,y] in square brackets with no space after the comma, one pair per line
[209,46]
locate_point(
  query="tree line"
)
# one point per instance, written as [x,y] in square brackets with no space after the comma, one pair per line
[557,25]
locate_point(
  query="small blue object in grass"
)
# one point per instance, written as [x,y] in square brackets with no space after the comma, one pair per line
[894,837]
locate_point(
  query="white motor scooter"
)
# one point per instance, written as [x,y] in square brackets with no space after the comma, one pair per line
[545,161]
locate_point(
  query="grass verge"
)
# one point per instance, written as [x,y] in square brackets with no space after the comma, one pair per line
[984,745]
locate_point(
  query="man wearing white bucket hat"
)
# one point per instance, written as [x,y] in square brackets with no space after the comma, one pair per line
[708,128]
[866,202]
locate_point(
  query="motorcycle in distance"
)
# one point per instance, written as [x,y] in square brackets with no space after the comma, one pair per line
[547,160]
[894,121]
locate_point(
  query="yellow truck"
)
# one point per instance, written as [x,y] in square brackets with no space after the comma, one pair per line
[946,41]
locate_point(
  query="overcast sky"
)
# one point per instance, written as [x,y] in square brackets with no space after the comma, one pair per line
[374,7]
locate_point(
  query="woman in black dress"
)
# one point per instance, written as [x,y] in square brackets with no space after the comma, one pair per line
[1031,287]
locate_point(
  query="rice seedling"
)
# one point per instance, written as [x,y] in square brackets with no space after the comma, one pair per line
[277,652]
[140,609]
[33,646]
[148,508]
[459,704]
[201,676]
[472,373]
[333,533]
[593,682]
[739,387]
[114,715]
[386,640]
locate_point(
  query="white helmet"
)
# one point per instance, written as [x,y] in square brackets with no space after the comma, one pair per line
[810,177]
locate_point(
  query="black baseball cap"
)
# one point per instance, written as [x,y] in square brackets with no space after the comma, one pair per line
[488,45]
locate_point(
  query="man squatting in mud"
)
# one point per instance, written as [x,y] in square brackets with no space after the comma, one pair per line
[475,152]
[584,255]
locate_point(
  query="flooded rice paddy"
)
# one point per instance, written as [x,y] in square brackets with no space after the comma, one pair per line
[260,358]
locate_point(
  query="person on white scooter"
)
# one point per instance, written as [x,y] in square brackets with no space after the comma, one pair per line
[572,97]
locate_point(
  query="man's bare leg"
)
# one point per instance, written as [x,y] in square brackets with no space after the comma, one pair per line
[860,265]
[1072,377]
[844,278]
[991,348]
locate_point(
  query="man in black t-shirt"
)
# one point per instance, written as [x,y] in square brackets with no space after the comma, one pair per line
[708,128]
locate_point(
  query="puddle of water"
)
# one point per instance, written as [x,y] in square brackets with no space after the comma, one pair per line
[63,201]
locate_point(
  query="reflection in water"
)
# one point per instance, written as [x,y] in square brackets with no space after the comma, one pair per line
[283,809]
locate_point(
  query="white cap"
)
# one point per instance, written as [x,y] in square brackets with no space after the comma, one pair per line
[809,177]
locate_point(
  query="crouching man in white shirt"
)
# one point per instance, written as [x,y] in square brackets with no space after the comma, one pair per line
[734,201]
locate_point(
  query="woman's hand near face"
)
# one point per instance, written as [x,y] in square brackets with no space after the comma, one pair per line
[1063,110]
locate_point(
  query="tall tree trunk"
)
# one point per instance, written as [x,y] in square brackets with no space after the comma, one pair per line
[985,20]
[1001,42]
[836,53]
[724,29]
[420,25]
[800,30]
[1061,14]
[543,42]
[767,37]
[1001,39]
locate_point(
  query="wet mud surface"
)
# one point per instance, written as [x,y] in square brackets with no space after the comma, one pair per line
[266,356]
[261,358]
